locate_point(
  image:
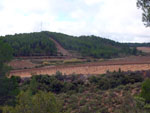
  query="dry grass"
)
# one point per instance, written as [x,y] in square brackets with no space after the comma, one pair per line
[74,60]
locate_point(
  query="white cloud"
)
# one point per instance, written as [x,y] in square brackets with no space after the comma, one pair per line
[119,20]
[91,2]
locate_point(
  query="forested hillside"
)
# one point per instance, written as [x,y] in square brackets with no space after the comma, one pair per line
[138,44]
[92,46]
[31,44]
[39,44]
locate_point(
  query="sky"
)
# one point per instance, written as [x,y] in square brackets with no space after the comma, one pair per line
[119,20]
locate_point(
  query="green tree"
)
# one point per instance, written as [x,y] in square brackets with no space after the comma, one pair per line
[8,86]
[134,52]
[145,6]
[33,85]
[39,103]
[145,93]
[5,56]
[9,89]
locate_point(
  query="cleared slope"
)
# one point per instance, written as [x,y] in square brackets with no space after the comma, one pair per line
[60,49]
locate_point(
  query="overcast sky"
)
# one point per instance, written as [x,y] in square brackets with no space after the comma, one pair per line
[119,20]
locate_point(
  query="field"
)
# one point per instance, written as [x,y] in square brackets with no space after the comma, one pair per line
[144,49]
[79,66]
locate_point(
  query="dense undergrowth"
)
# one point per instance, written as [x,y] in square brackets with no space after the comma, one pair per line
[116,92]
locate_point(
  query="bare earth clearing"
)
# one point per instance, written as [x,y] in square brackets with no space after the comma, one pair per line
[21,64]
[144,49]
[61,49]
[134,63]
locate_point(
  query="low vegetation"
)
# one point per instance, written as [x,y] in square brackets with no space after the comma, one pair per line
[117,92]
[41,102]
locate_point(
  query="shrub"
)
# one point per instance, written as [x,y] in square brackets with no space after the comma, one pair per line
[115,79]
[72,61]
[82,102]
[145,93]
[39,103]
[9,88]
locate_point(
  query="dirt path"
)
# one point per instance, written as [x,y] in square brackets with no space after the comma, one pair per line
[61,49]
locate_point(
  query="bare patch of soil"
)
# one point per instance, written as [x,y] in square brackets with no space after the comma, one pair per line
[21,64]
[144,49]
[80,70]
[129,63]
[60,49]
[125,64]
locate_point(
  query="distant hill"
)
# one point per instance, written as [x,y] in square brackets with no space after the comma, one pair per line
[138,44]
[39,44]
[93,46]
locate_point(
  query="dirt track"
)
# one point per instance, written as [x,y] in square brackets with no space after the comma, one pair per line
[60,49]
[130,63]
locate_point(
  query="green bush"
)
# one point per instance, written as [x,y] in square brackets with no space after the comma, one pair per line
[115,79]
[9,89]
[145,93]
[39,103]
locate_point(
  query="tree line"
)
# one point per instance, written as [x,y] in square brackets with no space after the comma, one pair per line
[138,44]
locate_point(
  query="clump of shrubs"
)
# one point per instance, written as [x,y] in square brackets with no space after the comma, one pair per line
[115,79]
[57,84]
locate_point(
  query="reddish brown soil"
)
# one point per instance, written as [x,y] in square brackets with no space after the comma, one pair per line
[41,57]
[144,49]
[21,64]
[126,64]
[60,49]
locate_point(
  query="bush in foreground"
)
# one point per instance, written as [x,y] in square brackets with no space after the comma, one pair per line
[39,103]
